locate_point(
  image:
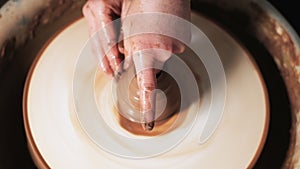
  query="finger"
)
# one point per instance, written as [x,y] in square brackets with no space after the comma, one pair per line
[146,66]
[107,32]
[99,15]
[127,62]
[147,85]
[121,42]
[111,49]
[114,59]
[95,40]
[103,61]
[104,65]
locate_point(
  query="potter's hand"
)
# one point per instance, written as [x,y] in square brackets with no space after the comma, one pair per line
[143,47]
[100,14]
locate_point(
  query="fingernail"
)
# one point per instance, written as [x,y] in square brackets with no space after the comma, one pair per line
[118,72]
[148,126]
[107,73]
[148,120]
[117,75]
[126,65]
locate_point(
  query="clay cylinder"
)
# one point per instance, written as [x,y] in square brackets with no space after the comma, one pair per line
[168,97]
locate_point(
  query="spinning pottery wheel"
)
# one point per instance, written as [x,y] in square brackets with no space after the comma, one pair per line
[56,130]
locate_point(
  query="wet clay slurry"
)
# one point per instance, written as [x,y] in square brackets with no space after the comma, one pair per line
[169,102]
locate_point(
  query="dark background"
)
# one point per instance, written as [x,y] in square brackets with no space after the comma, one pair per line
[13,150]
[290,10]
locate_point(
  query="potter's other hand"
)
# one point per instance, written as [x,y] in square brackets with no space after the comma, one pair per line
[150,51]
[100,14]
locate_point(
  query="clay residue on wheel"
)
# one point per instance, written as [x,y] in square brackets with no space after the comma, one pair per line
[24,30]
[260,29]
[6,53]
[280,44]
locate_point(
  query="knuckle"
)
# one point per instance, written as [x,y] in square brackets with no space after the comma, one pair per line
[179,48]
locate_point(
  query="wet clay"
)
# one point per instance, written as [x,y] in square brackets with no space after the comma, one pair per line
[165,119]
[161,127]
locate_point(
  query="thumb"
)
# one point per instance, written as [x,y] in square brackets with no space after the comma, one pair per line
[147,85]
[146,79]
